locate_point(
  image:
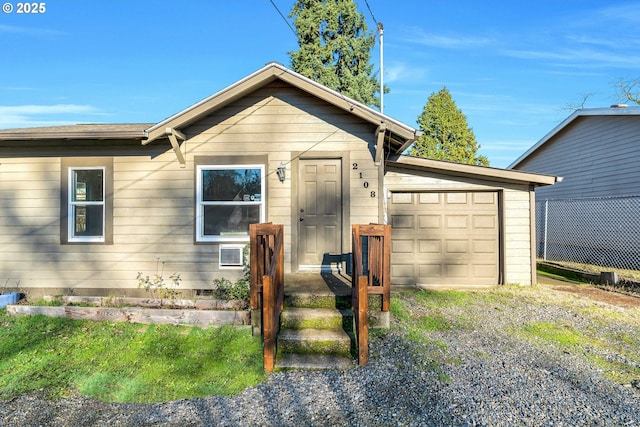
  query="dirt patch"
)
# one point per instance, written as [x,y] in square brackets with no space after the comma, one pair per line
[609,297]
[597,294]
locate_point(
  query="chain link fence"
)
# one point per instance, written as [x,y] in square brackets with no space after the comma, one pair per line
[598,231]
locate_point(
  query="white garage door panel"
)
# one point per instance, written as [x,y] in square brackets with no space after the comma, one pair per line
[428,246]
[402,246]
[401,270]
[430,270]
[402,221]
[448,238]
[429,222]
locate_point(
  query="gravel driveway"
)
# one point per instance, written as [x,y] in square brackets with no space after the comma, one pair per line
[482,373]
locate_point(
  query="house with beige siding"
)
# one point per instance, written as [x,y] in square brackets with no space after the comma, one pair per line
[84,208]
[592,216]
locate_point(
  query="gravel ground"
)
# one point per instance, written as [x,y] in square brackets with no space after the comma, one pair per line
[485,375]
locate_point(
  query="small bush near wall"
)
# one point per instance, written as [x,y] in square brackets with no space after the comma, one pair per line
[227,290]
[156,286]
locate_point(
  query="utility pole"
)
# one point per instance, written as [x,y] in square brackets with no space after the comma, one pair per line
[381,33]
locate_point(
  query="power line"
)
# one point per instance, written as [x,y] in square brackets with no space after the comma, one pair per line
[380,28]
[285,19]
[371,12]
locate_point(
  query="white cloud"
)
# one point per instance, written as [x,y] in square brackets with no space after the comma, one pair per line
[582,57]
[402,72]
[46,109]
[515,145]
[12,29]
[606,42]
[616,16]
[18,116]
[451,41]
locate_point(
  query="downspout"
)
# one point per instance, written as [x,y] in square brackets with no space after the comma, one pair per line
[379,161]
[380,134]
[532,233]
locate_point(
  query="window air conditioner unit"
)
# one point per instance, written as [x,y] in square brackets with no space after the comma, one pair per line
[231,255]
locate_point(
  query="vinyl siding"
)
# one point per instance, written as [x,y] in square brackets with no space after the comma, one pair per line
[596,155]
[517,229]
[286,124]
[153,196]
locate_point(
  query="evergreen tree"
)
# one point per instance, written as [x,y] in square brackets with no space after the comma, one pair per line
[335,48]
[447,136]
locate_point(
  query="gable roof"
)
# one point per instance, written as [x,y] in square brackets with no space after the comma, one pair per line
[399,135]
[614,110]
[471,171]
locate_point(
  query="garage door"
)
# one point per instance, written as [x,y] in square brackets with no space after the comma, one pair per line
[444,238]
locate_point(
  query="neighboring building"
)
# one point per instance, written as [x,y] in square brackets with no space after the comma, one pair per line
[593,215]
[90,206]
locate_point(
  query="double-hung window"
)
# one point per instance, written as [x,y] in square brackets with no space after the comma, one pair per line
[86,204]
[229,198]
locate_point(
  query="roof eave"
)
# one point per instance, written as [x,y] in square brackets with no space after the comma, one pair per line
[463,170]
[21,136]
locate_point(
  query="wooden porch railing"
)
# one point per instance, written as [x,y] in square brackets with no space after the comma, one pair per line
[267,278]
[376,239]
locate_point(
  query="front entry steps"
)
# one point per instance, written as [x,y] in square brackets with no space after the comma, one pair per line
[316,331]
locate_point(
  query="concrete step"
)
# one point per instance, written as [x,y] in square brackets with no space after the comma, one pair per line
[316,300]
[315,341]
[314,361]
[316,318]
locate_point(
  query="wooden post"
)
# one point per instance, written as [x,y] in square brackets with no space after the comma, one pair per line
[356,265]
[268,324]
[386,268]
[267,277]
[363,322]
[280,268]
[253,263]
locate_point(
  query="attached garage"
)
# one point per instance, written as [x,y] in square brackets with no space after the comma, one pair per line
[460,225]
[448,238]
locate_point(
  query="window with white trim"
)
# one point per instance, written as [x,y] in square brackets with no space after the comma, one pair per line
[86,204]
[228,198]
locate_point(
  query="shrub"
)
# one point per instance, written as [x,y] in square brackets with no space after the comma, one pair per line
[240,289]
[156,285]
[227,290]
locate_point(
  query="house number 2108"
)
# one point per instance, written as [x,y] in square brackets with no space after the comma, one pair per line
[365,184]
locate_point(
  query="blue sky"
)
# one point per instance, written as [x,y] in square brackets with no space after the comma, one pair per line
[512,66]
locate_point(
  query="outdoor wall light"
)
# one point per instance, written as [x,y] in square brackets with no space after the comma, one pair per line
[282,172]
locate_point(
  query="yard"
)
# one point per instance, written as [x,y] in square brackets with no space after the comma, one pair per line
[123,362]
[504,356]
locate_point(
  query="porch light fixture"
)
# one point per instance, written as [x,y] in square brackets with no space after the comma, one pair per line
[282,172]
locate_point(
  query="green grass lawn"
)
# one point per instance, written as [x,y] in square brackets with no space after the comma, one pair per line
[123,362]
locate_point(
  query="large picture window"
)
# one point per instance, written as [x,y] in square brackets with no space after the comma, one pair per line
[86,209]
[229,198]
